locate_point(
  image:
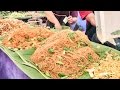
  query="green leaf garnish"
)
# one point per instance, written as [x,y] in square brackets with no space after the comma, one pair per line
[90,58]
[81,43]
[71,35]
[67,49]
[51,50]
[41,39]
[85,76]
[61,75]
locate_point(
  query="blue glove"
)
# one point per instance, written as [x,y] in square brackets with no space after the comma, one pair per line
[81,23]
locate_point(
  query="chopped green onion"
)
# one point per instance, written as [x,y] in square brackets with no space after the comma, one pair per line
[51,50]
[71,35]
[40,39]
[90,58]
[61,75]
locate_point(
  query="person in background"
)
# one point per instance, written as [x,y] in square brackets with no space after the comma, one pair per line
[77,20]
[80,24]
[90,24]
[91,29]
[86,22]
[89,16]
[58,18]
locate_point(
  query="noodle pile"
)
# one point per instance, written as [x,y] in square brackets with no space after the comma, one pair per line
[7,25]
[108,68]
[26,38]
[64,54]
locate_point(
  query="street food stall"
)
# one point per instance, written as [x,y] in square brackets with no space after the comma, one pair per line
[35,52]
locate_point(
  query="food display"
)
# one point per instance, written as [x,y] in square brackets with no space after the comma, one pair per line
[56,54]
[7,25]
[67,55]
[25,38]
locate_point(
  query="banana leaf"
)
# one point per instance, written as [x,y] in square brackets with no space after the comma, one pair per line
[63,28]
[25,55]
[117,32]
[31,72]
[85,76]
[21,58]
[103,49]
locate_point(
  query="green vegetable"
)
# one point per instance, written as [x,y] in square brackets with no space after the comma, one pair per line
[81,43]
[3,14]
[101,54]
[90,58]
[115,56]
[65,27]
[67,49]
[1,38]
[71,35]
[51,50]
[16,15]
[85,76]
[40,39]
[65,77]
[61,75]
[117,32]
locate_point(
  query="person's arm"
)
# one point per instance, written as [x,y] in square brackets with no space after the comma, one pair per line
[51,17]
[89,16]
